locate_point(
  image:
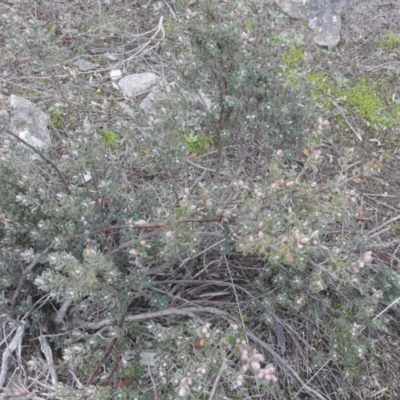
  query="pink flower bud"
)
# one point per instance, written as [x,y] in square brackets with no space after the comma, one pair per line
[255,365]
[367,257]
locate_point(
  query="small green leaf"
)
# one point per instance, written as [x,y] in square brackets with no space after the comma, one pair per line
[250,24]
[52,29]
[231,339]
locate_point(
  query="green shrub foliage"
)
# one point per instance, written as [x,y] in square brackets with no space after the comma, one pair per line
[152,271]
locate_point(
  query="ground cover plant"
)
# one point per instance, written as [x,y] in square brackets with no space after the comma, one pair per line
[239,241]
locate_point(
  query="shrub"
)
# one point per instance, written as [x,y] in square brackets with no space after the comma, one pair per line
[156,274]
[228,57]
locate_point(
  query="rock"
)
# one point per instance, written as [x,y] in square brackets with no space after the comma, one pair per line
[128,111]
[202,99]
[110,56]
[324,17]
[86,65]
[33,140]
[148,104]
[29,122]
[4,117]
[134,85]
[115,74]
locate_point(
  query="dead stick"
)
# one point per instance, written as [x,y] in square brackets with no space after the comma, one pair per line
[47,160]
[106,354]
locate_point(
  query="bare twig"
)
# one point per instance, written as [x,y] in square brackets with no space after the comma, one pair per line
[168,264]
[316,373]
[99,364]
[105,355]
[170,9]
[186,312]
[370,236]
[46,350]
[215,386]
[235,293]
[141,49]
[62,311]
[387,308]
[156,396]
[24,274]
[388,65]
[393,256]
[14,185]
[47,160]
[341,112]
[378,229]
[267,347]
[173,260]
[200,166]
[155,225]
[117,362]
[14,345]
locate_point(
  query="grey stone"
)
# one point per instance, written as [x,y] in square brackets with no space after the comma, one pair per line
[134,85]
[29,122]
[202,99]
[86,65]
[323,16]
[33,140]
[4,117]
[148,104]
[128,111]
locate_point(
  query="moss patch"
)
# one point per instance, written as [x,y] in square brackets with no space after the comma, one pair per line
[60,121]
[169,29]
[323,86]
[293,56]
[197,143]
[30,94]
[292,60]
[110,138]
[364,98]
[389,41]
[250,25]
[57,118]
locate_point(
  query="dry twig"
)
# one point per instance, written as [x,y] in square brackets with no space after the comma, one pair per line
[14,345]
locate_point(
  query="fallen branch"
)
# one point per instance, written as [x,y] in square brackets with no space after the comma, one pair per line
[156,225]
[46,350]
[105,356]
[15,344]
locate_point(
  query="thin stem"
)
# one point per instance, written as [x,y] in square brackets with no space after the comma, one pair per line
[47,160]
[25,273]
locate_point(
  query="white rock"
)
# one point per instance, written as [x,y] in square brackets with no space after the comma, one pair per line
[323,17]
[87,176]
[115,74]
[134,85]
[30,123]
[32,140]
[110,56]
